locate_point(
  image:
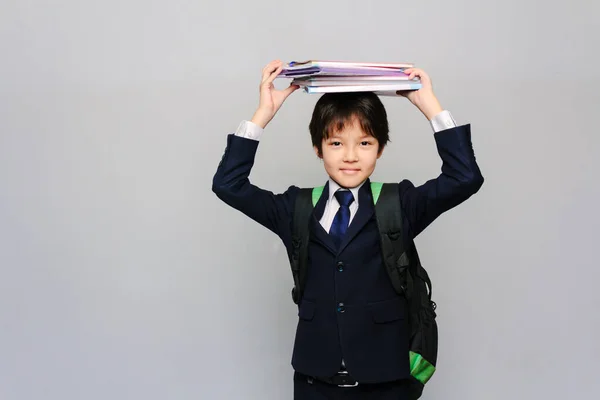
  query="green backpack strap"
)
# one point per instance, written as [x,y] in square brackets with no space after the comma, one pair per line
[375,189]
[316,194]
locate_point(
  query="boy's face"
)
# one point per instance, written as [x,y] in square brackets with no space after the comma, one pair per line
[350,155]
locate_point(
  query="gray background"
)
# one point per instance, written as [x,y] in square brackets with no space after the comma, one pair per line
[122,276]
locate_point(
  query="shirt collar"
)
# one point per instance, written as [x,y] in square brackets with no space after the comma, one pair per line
[334,187]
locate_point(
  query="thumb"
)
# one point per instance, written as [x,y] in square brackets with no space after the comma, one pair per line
[290,89]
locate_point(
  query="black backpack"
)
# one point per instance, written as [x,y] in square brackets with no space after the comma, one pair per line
[403,266]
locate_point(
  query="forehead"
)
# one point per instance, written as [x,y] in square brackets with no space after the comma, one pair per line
[346,127]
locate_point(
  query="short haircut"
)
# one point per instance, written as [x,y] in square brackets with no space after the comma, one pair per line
[334,110]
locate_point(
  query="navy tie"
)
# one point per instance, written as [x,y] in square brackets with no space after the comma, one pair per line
[342,217]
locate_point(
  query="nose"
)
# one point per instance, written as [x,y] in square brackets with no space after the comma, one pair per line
[350,155]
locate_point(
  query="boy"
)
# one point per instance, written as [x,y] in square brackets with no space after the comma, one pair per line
[351,339]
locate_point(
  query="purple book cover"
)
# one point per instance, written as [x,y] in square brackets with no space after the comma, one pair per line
[311,71]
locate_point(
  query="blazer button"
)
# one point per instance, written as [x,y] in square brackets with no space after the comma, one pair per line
[341,308]
[340,266]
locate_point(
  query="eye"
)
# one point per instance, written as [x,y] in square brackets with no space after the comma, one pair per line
[336,143]
[365,143]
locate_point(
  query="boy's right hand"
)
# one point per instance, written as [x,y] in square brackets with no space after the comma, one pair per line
[270,98]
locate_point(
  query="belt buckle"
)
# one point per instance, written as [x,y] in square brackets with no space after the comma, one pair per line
[355,384]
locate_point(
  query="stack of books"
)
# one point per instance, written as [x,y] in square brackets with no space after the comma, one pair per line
[316,76]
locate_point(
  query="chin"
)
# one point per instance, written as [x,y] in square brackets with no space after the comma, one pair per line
[350,181]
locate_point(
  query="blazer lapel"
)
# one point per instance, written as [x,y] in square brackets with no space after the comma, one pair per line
[363,215]
[316,229]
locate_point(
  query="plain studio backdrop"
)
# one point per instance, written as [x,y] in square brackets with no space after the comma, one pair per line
[122,276]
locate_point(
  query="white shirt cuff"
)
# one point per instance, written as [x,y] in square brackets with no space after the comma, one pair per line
[249,130]
[442,121]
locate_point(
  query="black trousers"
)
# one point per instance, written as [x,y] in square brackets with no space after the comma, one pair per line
[312,389]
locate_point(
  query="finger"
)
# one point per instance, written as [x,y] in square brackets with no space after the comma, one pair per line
[265,74]
[410,72]
[269,68]
[271,64]
[273,75]
[413,72]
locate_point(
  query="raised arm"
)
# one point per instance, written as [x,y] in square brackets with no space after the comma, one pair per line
[460,176]
[231,181]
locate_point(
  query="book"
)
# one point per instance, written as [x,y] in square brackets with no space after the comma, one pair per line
[321,76]
[351,80]
[363,88]
[345,64]
[314,71]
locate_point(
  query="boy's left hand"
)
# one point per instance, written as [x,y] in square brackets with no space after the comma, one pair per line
[423,98]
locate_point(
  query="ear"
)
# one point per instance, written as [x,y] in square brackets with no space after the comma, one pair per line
[317,152]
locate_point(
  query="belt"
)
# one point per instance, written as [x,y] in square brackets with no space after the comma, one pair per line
[340,379]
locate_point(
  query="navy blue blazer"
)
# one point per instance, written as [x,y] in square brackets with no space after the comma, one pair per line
[349,309]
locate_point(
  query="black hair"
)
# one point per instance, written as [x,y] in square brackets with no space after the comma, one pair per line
[334,110]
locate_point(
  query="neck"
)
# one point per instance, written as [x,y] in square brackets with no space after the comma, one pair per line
[347,187]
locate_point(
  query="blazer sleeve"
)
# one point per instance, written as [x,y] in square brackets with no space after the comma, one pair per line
[460,178]
[231,184]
